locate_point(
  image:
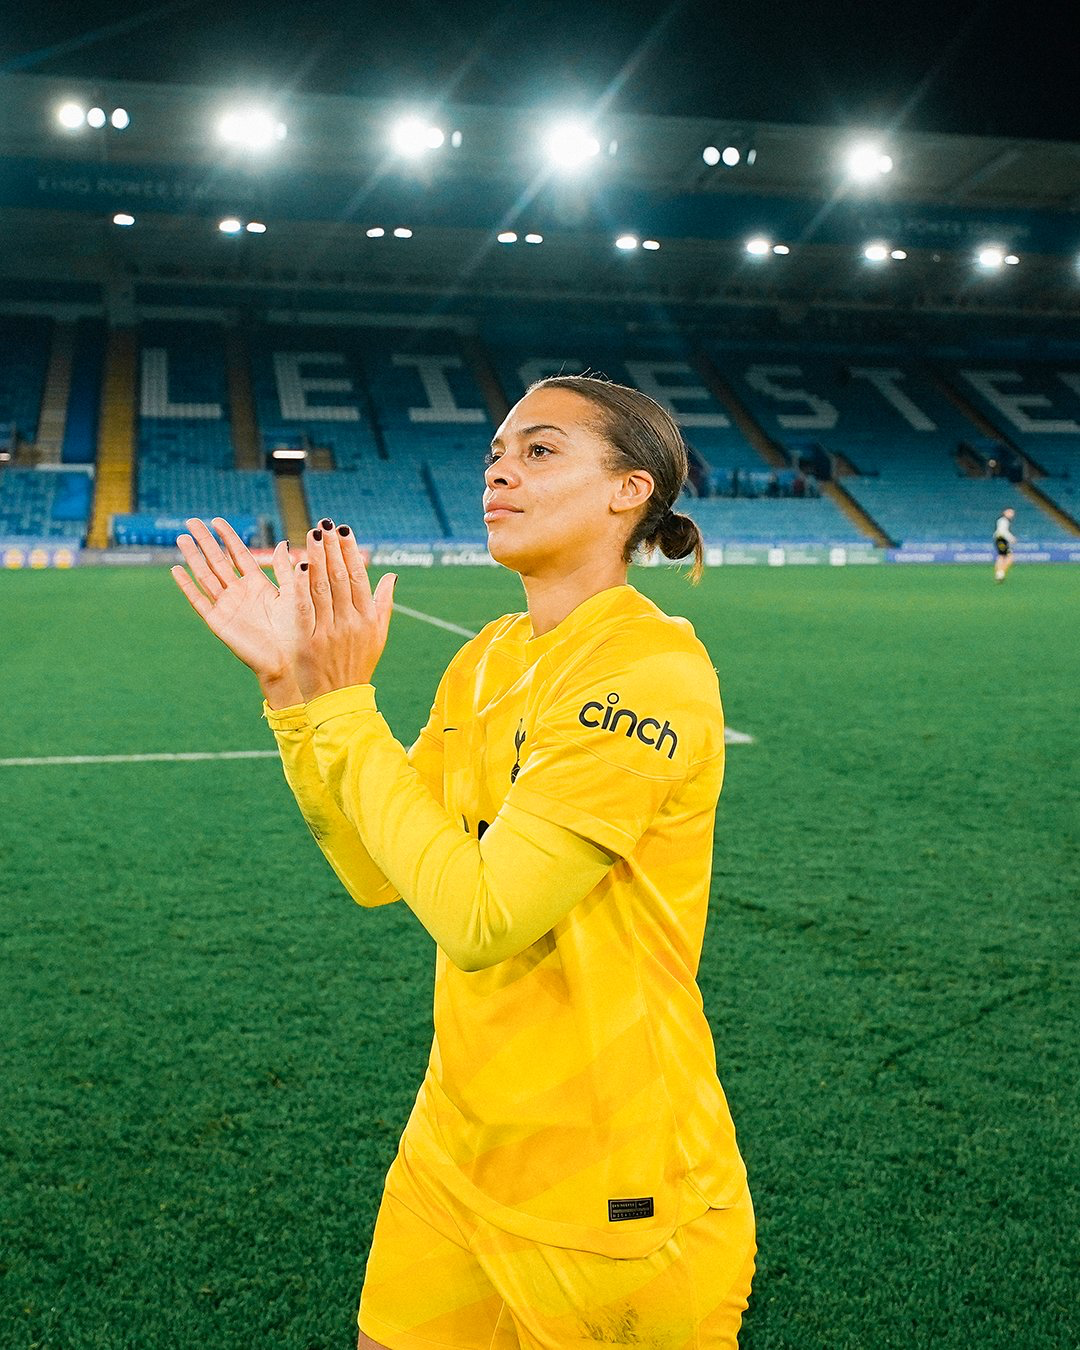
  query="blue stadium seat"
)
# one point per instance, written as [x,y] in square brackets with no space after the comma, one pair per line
[44,503]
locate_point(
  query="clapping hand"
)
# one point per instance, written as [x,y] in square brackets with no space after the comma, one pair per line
[320,628]
[345,622]
[239,603]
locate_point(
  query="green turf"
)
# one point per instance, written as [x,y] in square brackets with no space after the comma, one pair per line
[208,1051]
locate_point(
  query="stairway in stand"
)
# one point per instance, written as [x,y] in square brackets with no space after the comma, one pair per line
[293,507]
[114,478]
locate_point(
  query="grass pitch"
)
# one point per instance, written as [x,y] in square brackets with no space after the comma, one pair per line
[208,1052]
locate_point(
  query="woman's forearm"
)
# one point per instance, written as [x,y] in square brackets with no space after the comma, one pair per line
[280,691]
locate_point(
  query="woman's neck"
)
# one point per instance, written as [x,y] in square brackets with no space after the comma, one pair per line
[551,598]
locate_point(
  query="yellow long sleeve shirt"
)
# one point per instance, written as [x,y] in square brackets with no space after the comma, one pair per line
[552,829]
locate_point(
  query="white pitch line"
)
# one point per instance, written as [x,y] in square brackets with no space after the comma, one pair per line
[731,737]
[430,618]
[138,759]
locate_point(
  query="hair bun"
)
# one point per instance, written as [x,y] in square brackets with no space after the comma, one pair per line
[677,535]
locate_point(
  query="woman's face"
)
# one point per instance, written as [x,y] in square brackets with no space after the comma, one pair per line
[549,502]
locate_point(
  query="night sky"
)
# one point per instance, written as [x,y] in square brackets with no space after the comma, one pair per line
[981,68]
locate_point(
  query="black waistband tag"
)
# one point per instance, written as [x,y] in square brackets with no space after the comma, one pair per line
[642,1208]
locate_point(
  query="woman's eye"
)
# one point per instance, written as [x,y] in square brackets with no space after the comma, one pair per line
[544,448]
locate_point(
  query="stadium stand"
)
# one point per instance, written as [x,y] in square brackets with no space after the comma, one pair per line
[880,426]
[309,391]
[180,490]
[1036,408]
[24,359]
[183,400]
[44,503]
[386,503]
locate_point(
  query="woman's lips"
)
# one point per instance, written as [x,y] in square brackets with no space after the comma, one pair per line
[499,512]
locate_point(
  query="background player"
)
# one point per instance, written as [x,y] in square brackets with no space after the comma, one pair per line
[1004,540]
[569,1171]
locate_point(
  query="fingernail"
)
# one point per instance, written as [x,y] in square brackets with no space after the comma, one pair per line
[343,530]
[327,524]
[316,534]
[303,567]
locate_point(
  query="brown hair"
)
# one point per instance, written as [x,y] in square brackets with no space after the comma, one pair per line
[643,435]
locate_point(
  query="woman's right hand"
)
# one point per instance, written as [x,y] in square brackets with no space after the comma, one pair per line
[247,611]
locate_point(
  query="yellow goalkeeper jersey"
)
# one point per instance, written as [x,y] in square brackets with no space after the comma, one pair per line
[552,828]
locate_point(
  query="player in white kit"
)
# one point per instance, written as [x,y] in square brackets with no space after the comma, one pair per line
[1004,539]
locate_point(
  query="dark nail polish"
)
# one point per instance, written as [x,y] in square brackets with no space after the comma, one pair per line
[327,524]
[303,567]
[316,534]
[343,530]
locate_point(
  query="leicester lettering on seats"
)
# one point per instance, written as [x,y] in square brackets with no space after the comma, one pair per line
[649,730]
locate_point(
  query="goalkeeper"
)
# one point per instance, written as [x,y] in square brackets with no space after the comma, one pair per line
[569,1172]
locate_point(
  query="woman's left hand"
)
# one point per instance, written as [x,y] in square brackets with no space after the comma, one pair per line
[348,623]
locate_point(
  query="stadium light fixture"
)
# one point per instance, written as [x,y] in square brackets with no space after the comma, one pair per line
[651,244]
[711,156]
[96,118]
[898,254]
[376,232]
[413,137]
[507,237]
[758,246]
[876,253]
[626,242]
[569,145]
[255,227]
[867,161]
[230,225]
[534,238]
[455,139]
[251,128]
[731,156]
[782,249]
[123,218]
[991,256]
[403,232]
[121,119]
[71,115]
[1011,260]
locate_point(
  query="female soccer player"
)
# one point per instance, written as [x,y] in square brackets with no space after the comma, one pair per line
[569,1173]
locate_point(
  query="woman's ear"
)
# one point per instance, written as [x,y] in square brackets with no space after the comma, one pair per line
[634,491]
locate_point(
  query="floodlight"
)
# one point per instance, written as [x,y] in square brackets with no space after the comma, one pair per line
[731,156]
[455,139]
[120,118]
[507,237]
[867,161]
[711,155]
[376,232]
[782,249]
[1011,259]
[651,244]
[255,227]
[758,246]
[230,225]
[123,218]
[534,238]
[402,232]
[412,136]
[876,253]
[626,242]
[991,256]
[71,115]
[898,254]
[569,145]
[251,128]
[96,118]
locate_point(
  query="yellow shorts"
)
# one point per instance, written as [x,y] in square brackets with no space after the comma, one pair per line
[438,1275]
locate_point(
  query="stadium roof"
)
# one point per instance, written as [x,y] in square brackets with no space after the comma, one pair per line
[333,178]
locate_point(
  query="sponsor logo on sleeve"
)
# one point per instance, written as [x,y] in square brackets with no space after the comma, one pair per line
[611,717]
